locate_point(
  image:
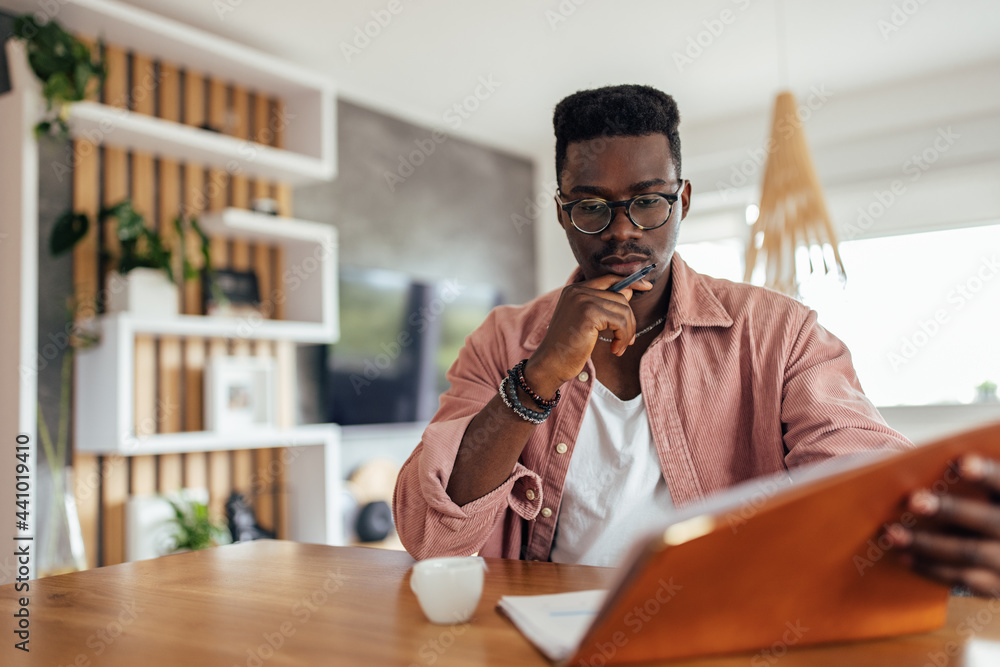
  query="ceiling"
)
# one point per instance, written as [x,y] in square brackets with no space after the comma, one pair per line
[429,56]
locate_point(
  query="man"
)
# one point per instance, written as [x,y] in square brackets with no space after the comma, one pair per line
[631,403]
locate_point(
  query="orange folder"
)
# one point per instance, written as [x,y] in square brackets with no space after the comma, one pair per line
[804,564]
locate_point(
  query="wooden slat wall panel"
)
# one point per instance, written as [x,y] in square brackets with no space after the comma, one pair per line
[285,377]
[239,260]
[194,200]
[195,464]
[170,466]
[115,93]
[144,199]
[283,195]
[219,463]
[115,474]
[266,461]
[86,273]
[262,488]
[285,352]
[169,375]
[220,477]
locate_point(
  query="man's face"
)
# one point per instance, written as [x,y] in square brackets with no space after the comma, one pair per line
[615,169]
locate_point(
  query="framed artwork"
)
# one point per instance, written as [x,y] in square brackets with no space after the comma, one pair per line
[239,393]
[229,293]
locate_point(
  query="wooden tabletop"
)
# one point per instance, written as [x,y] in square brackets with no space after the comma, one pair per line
[271,603]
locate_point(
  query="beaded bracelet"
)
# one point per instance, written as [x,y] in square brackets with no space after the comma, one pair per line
[509,395]
[518,374]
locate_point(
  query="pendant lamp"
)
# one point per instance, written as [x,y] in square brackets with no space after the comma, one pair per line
[793,212]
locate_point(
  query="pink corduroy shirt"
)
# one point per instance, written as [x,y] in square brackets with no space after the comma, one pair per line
[741,382]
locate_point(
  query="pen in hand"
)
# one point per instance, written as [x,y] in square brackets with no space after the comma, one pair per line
[634,278]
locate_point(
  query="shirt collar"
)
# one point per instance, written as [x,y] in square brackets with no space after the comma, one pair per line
[692,303]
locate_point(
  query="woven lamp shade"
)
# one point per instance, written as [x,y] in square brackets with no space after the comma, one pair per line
[792,209]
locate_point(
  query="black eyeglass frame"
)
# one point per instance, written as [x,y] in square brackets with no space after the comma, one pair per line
[626,203]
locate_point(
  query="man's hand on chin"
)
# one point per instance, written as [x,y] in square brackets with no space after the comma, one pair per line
[966,550]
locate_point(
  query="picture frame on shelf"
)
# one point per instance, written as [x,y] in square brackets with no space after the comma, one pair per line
[239,393]
[230,293]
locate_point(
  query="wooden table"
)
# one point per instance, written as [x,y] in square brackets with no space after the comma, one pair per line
[272,603]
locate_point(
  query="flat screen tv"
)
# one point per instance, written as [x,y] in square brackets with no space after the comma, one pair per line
[398,338]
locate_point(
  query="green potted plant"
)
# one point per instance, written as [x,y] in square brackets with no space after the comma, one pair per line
[194,528]
[145,280]
[65,66]
[987,392]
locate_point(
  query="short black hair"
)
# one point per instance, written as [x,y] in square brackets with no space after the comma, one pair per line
[627,110]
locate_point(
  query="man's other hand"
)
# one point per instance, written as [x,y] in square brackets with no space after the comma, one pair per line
[971,558]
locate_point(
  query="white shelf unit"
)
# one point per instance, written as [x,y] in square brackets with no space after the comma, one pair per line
[311,461]
[309,123]
[310,259]
[104,417]
[104,412]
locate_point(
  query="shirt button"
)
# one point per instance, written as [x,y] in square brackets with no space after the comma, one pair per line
[546,512]
[561,448]
[529,494]
[583,377]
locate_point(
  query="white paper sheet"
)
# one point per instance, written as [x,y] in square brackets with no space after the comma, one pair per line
[555,624]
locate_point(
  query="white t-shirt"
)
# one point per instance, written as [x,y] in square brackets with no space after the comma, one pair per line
[614,489]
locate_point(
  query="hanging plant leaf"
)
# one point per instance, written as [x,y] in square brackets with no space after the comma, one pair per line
[130,223]
[42,129]
[69,228]
[63,64]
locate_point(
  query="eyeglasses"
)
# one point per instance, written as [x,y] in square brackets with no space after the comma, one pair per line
[646,211]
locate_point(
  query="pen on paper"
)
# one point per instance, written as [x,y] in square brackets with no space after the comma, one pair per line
[580,612]
[634,278]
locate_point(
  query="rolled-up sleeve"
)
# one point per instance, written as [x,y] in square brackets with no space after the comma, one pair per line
[824,411]
[429,523]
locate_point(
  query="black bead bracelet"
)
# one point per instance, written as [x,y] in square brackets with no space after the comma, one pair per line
[517,373]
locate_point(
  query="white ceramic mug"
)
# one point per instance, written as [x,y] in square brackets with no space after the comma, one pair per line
[448,589]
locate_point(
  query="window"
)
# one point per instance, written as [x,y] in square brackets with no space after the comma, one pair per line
[920,314]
